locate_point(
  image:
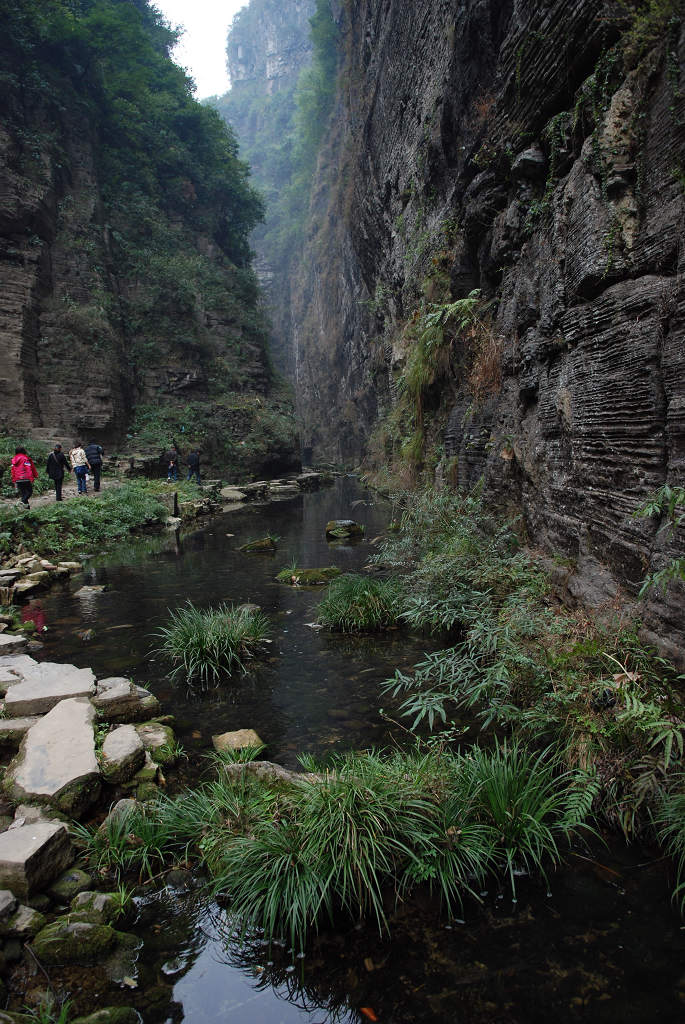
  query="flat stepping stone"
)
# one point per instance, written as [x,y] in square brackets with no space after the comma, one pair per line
[8,904]
[118,699]
[23,924]
[56,763]
[45,685]
[123,754]
[31,856]
[237,740]
[13,730]
[12,644]
[233,494]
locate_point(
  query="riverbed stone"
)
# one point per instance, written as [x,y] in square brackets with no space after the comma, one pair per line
[158,739]
[11,644]
[56,763]
[111,1015]
[123,754]
[31,856]
[148,773]
[344,528]
[71,566]
[46,684]
[119,699]
[13,730]
[262,544]
[233,494]
[8,904]
[66,941]
[23,924]
[236,740]
[97,907]
[69,884]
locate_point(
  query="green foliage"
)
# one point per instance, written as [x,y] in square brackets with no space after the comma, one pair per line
[669,820]
[78,525]
[667,505]
[48,1011]
[359,604]
[207,646]
[343,839]
[610,705]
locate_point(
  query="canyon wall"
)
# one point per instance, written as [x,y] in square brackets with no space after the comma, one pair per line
[125,269]
[534,151]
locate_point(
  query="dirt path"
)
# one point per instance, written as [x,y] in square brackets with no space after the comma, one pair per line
[69,492]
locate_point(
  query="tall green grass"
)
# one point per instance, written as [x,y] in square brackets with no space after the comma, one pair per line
[359,604]
[351,840]
[207,646]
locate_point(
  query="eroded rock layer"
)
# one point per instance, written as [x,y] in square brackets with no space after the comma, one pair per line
[534,151]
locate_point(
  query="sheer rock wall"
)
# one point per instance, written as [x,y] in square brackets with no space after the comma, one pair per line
[545,150]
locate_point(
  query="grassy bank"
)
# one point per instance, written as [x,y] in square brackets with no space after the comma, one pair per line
[351,840]
[82,524]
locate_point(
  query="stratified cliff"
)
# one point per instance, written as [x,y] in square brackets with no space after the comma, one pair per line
[535,152]
[124,221]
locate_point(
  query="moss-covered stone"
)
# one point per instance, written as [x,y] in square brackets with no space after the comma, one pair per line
[69,884]
[67,941]
[308,577]
[262,544]
[95,907]
[147,791]
[344,528]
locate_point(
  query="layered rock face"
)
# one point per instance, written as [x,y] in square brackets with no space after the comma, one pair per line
[534,151]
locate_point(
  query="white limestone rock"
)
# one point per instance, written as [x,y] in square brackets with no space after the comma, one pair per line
[31,856]
[123,754]
[56,763]
[44,685]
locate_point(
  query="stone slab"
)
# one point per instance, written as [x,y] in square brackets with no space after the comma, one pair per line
[12,730]
[233,494]
[45,685]
[123,754]
[31,856]
[56,763]
[12,644]
[118,699]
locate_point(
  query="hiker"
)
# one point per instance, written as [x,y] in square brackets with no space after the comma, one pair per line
[172,464]
[56,467]
[23,474]
[80,465]
[194,465]
[94,453]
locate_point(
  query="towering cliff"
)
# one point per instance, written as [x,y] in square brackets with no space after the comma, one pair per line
[269,47]
[124,222]
[492,282]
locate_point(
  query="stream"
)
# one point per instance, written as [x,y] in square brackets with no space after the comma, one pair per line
[599,942]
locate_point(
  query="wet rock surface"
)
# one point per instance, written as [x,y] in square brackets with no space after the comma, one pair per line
[33,855]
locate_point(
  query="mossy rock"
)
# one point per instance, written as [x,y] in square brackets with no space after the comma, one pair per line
[337,528]
[69,884]
[263,544]
[147,791]
[67,941]
[111,1015]
[308,577]
[160,740]
[95,907]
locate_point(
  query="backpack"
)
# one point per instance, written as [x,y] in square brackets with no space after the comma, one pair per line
[22,470]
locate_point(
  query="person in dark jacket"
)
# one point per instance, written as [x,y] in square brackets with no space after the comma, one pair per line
[23,474]
[172,464]
[94,455]
[194,465]
[56,467]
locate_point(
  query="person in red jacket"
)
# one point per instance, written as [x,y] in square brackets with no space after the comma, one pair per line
[24,473]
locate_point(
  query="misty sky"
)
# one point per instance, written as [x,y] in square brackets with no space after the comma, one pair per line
[202,51]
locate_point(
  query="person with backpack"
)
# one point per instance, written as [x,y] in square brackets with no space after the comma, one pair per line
[194,465]
[94,453]
[56,467]
[80,465]
[23,474]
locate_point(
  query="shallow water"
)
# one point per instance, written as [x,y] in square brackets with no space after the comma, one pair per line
[602,946]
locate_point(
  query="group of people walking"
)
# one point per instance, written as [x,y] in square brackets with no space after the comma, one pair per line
[173,459]
[82,460]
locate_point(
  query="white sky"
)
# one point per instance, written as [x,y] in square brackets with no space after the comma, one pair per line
[202,50]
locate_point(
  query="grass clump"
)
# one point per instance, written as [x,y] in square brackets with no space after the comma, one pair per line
[350,839]
[205,646]
[297,577]
[358,604]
